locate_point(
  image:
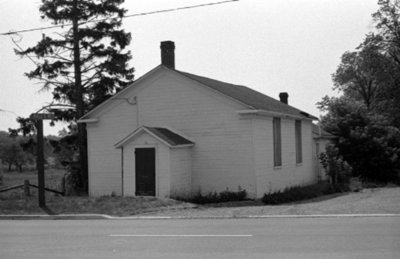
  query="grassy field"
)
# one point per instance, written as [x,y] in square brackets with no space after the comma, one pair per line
[15,202]
[368,200]
[52,177]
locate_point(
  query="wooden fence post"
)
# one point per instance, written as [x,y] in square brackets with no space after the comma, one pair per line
[63,185]
[26,188]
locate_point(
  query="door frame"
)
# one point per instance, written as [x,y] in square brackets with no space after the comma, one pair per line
[155,161]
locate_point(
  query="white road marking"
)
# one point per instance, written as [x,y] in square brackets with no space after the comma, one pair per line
[128,235]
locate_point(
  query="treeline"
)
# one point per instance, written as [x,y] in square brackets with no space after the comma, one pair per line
[19,152]
[366,117]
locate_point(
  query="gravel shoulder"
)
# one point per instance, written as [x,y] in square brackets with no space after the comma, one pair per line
[366,201]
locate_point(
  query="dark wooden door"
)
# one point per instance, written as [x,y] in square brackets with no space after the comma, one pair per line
[145,171]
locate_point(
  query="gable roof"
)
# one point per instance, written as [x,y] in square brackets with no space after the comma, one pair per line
[248,96]
[165,135]
[173,138]
[86,117]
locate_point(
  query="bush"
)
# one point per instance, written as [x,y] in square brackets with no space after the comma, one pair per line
[214,197]
[298,193]
[368,142]
[373,150]
[335,167]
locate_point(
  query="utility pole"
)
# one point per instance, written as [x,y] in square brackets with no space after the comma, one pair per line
[38,118]
[40,162]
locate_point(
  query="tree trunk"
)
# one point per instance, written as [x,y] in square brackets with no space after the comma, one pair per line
[79,101]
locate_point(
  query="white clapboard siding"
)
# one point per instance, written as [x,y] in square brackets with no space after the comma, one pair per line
[230,151]
[221,157]
[270,178]
[222,151]
[104,159]
[180,172]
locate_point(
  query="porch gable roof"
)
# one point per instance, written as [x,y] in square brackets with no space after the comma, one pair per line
[167,136]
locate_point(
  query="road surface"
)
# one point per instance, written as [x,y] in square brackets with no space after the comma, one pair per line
[361,237]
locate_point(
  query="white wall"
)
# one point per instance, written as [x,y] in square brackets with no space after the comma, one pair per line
[270,178]
[103,158]
[222,155]
[180,172]
[229,151]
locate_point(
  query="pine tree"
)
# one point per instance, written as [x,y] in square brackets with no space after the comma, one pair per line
[84,65]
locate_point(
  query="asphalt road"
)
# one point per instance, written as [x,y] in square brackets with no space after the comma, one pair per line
[369,237]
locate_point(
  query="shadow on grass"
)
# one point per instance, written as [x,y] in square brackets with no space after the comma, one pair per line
[258,202]
[318,199]
[247,203]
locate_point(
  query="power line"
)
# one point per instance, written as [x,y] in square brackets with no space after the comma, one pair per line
[126,16]
[2,110]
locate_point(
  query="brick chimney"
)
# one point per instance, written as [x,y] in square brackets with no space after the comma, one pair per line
[168,54]
[284,97]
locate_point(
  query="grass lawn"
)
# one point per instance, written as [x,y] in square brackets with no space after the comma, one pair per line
[15,202]
[115,206]
[52,177]
[369,200]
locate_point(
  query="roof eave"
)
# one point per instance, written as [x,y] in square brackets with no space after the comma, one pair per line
[122,142]
[182,146]
[93,120]
[275,114]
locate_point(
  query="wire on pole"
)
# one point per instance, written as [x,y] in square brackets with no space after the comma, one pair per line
[126,16]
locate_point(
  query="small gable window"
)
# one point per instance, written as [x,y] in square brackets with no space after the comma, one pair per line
[299,148]
[277,142]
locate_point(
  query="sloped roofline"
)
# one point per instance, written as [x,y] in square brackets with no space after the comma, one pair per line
[159,137]
[84,118]
[223,88]
[247,96]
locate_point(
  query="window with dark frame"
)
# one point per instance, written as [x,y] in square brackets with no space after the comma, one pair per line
[299,148]
[277,141]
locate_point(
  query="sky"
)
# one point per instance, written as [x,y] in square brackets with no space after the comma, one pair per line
[271,46]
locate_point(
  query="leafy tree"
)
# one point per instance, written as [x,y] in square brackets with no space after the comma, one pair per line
[366,141]
[5,142]
[11,152]
[84,65]
[4,137]
[27,127]
[388,28]
[366,118]
[362,73]
[339,111]
[65,148]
